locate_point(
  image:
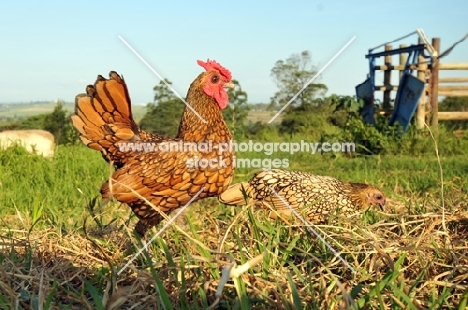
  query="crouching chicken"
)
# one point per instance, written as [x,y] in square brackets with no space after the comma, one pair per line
[318,196]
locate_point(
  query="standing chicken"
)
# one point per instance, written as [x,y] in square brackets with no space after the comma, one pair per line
[320,195]
[168,173]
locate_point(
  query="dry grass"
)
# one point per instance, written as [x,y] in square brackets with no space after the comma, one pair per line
[402,260]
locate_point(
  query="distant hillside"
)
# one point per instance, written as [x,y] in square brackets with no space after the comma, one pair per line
[23,110]
[17,111]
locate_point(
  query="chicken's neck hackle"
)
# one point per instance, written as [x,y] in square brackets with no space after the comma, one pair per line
[209,124]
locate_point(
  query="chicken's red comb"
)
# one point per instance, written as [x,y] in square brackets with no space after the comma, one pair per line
[213,65]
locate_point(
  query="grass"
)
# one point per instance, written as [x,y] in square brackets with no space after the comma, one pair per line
[59,249]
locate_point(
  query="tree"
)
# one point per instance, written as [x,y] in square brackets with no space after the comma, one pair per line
[236,113]
[164,113]
[291,76]
[57,123]
[33,122]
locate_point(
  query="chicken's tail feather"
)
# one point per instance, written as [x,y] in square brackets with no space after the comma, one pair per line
[235,195]
[103,116]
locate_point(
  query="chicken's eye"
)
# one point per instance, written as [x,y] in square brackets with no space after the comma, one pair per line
[378,196]
[214,79]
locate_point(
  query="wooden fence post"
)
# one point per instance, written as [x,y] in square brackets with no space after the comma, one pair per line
[387,79]
[421,111]
[403,59]
[435,84]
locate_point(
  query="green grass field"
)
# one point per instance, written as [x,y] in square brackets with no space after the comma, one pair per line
[59,249]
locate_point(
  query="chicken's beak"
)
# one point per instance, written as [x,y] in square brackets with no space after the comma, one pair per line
[229,85]
[382,205]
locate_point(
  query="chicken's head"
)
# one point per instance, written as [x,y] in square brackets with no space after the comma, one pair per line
[215,79]
[375,197]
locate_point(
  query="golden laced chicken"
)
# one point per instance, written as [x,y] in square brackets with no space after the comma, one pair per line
[167,173]
[319,196]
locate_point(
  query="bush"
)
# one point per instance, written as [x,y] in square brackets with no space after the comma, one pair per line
[385,139]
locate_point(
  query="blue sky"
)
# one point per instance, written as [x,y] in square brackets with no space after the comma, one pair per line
[53,49]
